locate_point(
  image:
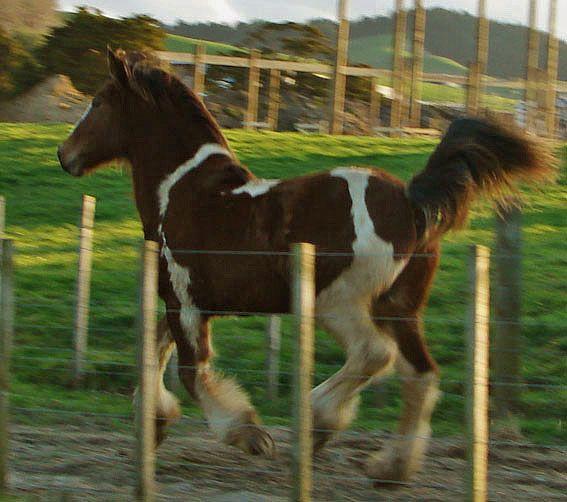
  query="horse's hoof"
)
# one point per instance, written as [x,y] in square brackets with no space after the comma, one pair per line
[252,439]
[320,439]
[161,433]
[387,471]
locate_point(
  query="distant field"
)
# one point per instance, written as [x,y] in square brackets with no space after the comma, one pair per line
[178,43]
[43,209]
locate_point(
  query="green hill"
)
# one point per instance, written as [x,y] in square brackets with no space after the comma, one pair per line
[376,51]
[178,43]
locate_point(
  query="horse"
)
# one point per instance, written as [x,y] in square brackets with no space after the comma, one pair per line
[225,235]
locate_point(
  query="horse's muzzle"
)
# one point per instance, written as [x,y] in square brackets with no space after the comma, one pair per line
[71,166]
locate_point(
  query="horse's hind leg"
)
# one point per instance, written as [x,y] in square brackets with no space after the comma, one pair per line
[400,459]
[370,354]
[228,410]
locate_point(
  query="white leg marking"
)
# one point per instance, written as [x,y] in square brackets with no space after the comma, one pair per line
[256,187]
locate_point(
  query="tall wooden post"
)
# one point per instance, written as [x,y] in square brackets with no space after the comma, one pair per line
[147,375]
[417,63]
[507,310]
[199,75]
[398,66]
[375,102]
[303,308]
[274,99]
[477,377]
[479,68]
[253,91]
[273,346]
[2,216]
[81,328]
[6,336]
[339,91]
[552,68]
[532,69]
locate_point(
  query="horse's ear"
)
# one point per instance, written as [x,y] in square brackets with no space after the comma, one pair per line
[117,67]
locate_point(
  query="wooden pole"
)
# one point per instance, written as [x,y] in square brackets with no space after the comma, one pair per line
[552,68]
[417,63]
[199,75]
[532,68]
[253,91]
[81,328]
[507,309]
[303,309]
[274,99]
[375,102]
[147,375]
[479,68]
[2,215]
[337,119]
[6,336]
[477,378]
[398,66]
[273,346]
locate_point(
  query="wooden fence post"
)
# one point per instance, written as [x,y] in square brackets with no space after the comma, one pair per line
[303,309]
[6,335]
[417,63]
[507,307]
[274,99]
[477,375]
[253,91]
[341,61]
[199,75]
[532,69]
[375,102]
[398,65]
[273,345]
[479,67]
[147,374]
[552,68]
[81,328]
[2,216]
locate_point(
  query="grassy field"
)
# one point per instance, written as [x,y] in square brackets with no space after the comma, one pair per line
[43,209]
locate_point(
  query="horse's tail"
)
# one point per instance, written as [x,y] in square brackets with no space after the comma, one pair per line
[474,157]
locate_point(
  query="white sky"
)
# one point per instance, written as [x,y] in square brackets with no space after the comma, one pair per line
[231,11]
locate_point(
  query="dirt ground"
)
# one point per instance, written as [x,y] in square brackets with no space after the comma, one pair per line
[63,463]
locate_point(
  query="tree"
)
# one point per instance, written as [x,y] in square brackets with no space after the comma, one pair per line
[18,68]
[28,16]
[78,48]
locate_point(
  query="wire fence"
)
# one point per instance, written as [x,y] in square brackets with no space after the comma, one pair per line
[81,440]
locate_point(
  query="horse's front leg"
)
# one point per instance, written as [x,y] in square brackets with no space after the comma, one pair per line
[228,410]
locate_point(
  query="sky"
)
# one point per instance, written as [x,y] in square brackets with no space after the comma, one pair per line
[232,11]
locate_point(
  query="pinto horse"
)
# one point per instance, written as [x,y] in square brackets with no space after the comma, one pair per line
[377,241]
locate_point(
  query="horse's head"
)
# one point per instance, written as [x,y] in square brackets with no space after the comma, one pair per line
[104,131]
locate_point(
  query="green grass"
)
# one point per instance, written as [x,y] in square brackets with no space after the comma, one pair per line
[43,209]
[178,43]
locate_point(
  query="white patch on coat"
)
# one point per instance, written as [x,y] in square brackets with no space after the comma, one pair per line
[83,116]
[256,187]
[204,152]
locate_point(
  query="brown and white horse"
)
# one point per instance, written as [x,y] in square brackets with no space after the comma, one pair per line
[378,239]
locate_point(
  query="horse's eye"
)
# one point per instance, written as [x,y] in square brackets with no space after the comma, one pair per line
[96,102]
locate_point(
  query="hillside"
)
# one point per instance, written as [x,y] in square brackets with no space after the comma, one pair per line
[178,43]
[449,35]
